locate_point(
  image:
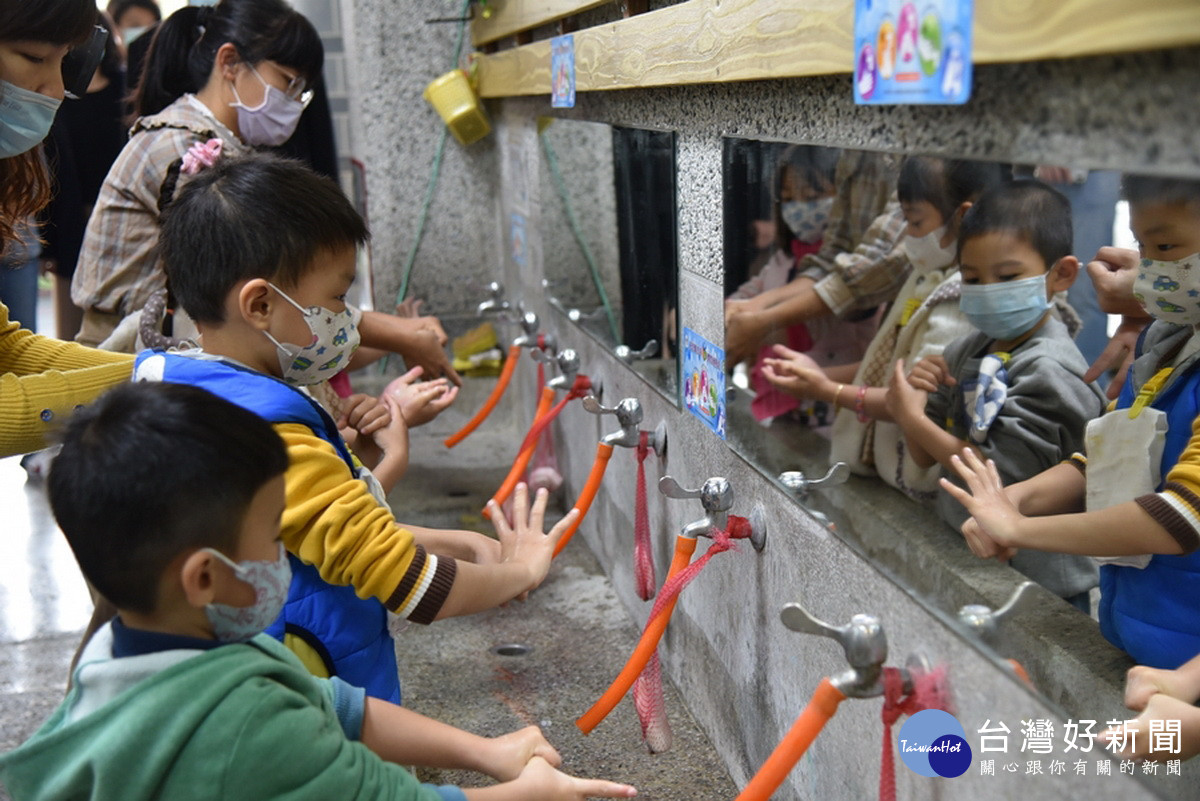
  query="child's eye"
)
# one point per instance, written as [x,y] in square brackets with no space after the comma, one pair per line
[32,59]
[1164,248]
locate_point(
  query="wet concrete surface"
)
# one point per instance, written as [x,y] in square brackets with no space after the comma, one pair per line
[577,633]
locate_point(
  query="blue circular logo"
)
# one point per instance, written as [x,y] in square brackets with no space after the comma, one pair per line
[933,743]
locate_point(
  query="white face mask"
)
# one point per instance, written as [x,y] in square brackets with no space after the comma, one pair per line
[334,338]
[270,581]
[1170,290]
[273,121]
[926,253]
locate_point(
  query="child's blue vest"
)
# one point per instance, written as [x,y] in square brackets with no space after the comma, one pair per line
[1153,614]
[349,633]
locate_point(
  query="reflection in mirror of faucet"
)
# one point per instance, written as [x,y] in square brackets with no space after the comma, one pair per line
[797,482]
[628,355]
[496,303]
[985,621]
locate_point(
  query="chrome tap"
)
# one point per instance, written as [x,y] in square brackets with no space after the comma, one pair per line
[496,302]
[628,355]
[985,621]
[629,417]
[716,496]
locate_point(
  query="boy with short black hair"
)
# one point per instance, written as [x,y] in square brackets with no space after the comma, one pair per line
[1014,390]
[171,499]
[260,252]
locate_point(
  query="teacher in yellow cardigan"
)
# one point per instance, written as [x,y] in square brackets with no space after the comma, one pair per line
[42,380]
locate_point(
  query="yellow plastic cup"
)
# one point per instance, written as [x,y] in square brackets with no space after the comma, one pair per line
[455,101]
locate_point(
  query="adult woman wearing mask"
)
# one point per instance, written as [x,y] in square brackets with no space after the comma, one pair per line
[41,379]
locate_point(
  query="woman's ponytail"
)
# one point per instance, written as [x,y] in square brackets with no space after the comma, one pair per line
[171,69]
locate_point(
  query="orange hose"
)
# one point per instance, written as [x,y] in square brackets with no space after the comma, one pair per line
[604,452]
[684,548]
[820,709]
[518,468]
[1019,669]
[510,364]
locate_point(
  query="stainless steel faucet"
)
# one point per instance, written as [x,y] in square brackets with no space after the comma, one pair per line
[629,417]
[496,303]
[716,496]
[985,621]
[800,484]
[628,355]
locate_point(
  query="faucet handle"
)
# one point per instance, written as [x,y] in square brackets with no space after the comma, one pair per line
[628,355]
[985,621]
[800,484]
[568,366]
[529,328]
[862,639]
[716,495]
[629,417]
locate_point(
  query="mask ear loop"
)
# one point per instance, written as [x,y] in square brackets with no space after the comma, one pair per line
[266,91]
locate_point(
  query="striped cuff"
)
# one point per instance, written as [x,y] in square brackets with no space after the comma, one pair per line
[834,293]
[1176,509]
[423,588]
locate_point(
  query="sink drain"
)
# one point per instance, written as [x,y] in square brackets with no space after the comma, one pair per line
[511,649]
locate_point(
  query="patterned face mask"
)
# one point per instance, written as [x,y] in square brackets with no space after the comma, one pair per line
[334,338]
[270,581]
[1170,290]
[806,218]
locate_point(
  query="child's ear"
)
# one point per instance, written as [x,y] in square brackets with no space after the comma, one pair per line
[960,212]
[227,61]
[197,580]
[255,301]
[1063,274]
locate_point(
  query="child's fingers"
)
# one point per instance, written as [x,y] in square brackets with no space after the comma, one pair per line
[537,515]
[499,521]
[785,352]
[555,534]
[956,492]
[520,505]
[599,788]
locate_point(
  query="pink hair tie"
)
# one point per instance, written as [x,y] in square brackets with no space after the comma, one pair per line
[200,156]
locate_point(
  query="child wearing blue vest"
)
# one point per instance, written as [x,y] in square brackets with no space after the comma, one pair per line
[171,499]
[260,252]
[1146,519]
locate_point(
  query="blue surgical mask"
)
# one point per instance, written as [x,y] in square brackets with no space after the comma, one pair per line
[806,218]
[270,581]
[134,33]
[1005,310]
[25,119]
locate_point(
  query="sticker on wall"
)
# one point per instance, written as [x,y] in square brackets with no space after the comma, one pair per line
[912,52]
[516,239]
[562,71]
[704,380]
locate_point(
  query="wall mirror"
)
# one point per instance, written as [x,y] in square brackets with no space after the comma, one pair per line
[609,234]
[785,209]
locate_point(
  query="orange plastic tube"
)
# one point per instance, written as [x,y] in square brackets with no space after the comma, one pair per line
[684,548]
[1019,669]
[820,709]
[518,468]
[510,364]
[604,452]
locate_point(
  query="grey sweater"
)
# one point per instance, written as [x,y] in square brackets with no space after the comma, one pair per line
[1041,423]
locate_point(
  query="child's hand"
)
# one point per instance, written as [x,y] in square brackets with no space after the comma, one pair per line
[796,374]
[743,331]
[931,373]
[541,782]
[421,401]
[1141,683]
[1159,707]
[994,519]
[904,400]
[508,754]
[364,414]
[524,541]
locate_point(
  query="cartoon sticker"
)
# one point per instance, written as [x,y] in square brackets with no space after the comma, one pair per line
[704,380]
[910,52]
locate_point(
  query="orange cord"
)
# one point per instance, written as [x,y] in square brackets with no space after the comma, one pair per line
[820,709]
[510,365]
[684,548]
[518,468]
[604,452]
[1019,669]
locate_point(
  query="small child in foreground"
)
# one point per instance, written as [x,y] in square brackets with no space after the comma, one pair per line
[171,500]
[1014,390]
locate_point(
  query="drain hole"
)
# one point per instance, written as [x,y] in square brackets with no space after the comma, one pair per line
[458,493]
[511,649]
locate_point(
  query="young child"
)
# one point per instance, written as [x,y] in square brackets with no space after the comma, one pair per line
[260,252]
[934,194]
[1149,604]
[1014,389]
[171,500]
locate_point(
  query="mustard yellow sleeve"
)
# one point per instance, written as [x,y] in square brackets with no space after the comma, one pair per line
[42,380]
[332,522]
[1177,507]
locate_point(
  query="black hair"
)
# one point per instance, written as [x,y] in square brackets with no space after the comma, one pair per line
[60,22]
[1028,209]
[185,46]
[254,216]
[150,471]
[946,184]
[117,8]
[112,66]
[814,166]
[1153,189]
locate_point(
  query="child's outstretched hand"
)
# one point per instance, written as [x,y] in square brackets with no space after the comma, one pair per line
[421,401]
[994,518]
[1142,682]
[508,754]
[524,541]
[796,374]
[364,414]
[542,782]
[1160,707]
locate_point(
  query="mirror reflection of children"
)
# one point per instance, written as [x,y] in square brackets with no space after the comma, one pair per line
[1013,390]
[1160,697]
[1148,601]
[171,500]
[934,194]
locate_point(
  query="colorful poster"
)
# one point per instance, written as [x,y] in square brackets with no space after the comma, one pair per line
[912,51]
[704,380]
[562,71]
